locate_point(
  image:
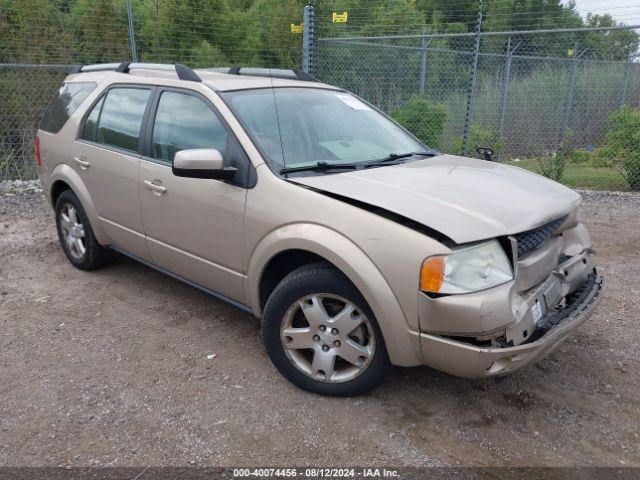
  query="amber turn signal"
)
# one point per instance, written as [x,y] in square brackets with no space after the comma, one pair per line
[432,274]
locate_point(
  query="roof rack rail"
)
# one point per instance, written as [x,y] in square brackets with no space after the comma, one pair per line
[184,72]
[266,72]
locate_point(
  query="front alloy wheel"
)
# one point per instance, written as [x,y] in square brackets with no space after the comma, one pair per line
[321,334]
[327,338]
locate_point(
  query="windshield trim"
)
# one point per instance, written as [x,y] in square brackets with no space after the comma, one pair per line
[224,96]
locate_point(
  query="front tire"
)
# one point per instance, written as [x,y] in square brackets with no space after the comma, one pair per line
[321,335]
[76,235]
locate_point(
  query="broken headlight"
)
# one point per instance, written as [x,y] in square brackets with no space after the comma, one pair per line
[467,269]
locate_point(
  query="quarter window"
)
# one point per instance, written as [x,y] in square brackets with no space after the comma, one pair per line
[67,100]
[120,118]
[185,122]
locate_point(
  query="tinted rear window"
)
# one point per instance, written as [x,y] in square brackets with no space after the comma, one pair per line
[66,101]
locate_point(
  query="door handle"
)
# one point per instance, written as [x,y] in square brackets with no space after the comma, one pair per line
[83,164]
[155,187]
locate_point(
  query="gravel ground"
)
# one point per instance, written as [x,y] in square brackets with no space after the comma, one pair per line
[117,368]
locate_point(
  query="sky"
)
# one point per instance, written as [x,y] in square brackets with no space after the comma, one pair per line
[625,11]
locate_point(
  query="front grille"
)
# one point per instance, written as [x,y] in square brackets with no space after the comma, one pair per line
[532,239]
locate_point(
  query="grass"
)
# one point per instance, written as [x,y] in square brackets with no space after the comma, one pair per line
[582,175]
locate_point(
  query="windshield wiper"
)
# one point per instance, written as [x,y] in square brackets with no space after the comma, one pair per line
[392,157]
[319,166]
[324,166]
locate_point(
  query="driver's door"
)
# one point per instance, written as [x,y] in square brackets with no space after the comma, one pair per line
[194,227]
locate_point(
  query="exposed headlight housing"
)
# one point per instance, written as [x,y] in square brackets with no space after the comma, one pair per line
[466,270]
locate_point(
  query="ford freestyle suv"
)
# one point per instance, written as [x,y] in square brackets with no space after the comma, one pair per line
[358,246]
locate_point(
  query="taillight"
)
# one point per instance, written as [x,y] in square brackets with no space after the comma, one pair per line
[38,157]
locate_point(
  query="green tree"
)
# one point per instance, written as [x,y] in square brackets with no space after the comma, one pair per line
[34,31]
[424,118]
[613,44]
[622,149]
[207,55]
[101,32]
[553,164]
[269,36]
[479,137]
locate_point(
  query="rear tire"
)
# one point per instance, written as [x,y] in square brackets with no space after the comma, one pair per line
[321,335]
[76,235]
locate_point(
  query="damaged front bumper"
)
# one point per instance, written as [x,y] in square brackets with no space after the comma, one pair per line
[502,329]
[471,361]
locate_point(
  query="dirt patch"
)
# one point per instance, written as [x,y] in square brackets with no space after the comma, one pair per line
[115,368]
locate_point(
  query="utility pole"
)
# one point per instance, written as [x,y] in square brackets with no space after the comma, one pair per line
[568,106]
[472,83]
[505,84]
[132,39]
[308,39]
[424,44]
[625,85]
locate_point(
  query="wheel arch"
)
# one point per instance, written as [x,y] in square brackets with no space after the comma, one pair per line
[280,265]
[57,188]
[66,178]
[294,245]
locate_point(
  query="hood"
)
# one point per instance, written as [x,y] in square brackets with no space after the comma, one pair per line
[463,198]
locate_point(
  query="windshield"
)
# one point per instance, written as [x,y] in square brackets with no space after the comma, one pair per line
[296,127]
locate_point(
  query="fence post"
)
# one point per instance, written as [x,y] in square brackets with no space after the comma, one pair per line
[572,81]
[132,39]
[308,39]
[505,87]
[472,83]
[424,43]
[625,85]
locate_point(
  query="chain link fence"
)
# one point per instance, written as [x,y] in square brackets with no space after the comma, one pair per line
[40,40]
[542,100]
[25,90]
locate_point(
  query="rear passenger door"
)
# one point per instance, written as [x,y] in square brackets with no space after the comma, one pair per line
[194,227]
[107,155]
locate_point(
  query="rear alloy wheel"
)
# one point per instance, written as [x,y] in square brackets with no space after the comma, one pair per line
[73,232]
[320,333]
[76,236]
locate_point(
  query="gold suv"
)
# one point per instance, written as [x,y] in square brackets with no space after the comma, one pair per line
[358,246]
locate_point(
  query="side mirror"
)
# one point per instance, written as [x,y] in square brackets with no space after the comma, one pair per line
[486,152]
[201,163]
